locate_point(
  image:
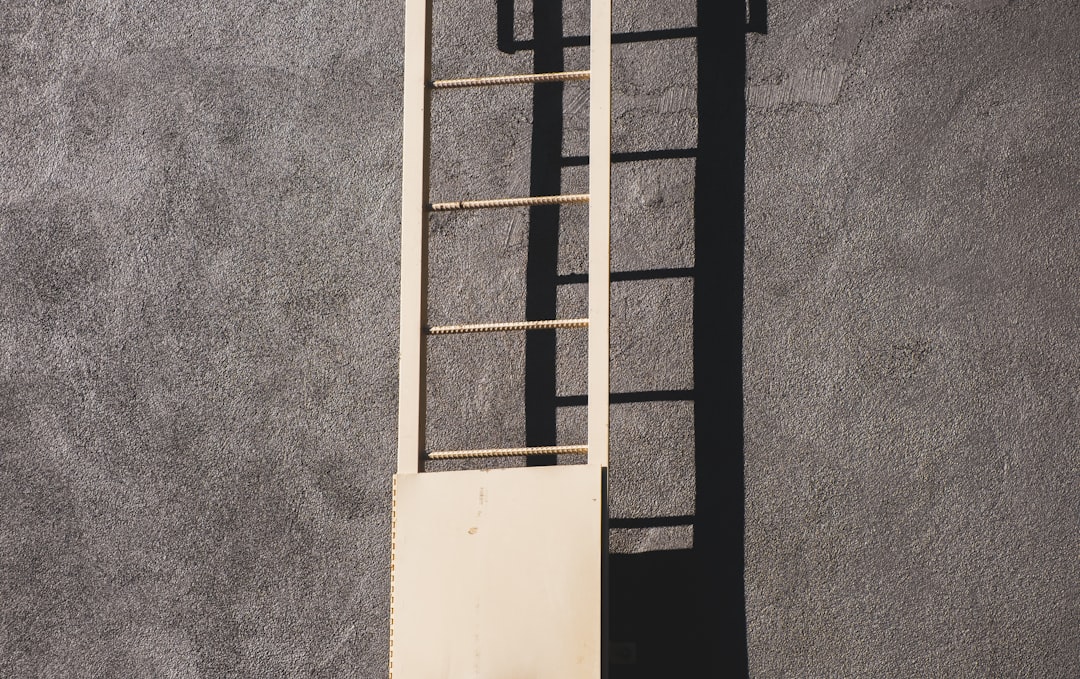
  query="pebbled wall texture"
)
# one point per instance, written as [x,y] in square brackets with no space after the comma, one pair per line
[844,342]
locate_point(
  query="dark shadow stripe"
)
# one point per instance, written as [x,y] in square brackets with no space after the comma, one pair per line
[757,16]
[621,276]
[651,522]
[616,38]
[629,397]
[504,26]
[719,195]
[541,269]
[634,156]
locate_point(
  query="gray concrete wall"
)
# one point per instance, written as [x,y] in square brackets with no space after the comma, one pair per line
[846,320]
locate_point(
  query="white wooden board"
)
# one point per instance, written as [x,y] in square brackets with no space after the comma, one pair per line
[496,574]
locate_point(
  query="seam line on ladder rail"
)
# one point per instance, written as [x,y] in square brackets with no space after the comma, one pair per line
[521,79]
[555,324]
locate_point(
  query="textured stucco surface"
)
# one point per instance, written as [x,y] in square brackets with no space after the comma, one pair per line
[198,330]
[912,323]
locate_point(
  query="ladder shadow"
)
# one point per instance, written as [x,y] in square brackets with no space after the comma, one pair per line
[671,612]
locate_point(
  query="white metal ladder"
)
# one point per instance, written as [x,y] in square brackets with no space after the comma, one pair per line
[498,573]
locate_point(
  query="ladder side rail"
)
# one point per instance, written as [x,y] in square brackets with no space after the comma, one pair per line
[599,228]
[416,126]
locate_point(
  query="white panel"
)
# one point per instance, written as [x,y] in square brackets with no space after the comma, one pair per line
[496,574]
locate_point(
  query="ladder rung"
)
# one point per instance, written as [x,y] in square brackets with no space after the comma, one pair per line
[510,202]
[507,452]
[503,327]
[510,79]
